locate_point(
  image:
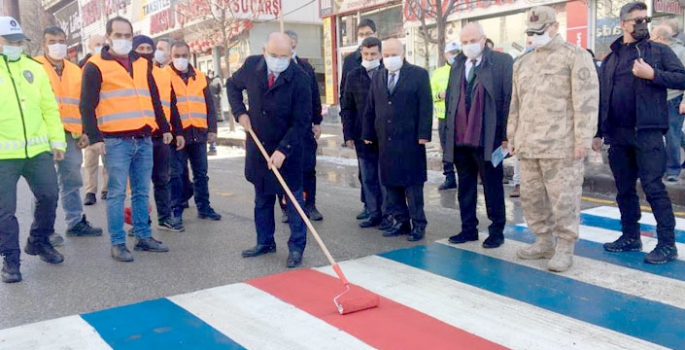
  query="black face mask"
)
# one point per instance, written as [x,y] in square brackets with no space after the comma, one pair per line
[640,31]
[149,56]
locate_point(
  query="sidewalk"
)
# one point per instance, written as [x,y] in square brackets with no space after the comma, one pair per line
[599,180]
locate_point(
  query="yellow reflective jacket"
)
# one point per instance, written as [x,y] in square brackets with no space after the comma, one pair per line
[439,80]
[29,123]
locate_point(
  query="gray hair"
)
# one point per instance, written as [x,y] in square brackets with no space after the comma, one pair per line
[663,33]
[291,34]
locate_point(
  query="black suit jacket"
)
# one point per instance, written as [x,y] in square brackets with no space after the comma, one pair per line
[357,86]
[280,115]
[316,96]
[351,62]
[495,74]
[397,121]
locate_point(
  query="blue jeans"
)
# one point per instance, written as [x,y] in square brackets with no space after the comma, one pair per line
[71,181]
[266,224]
[128,157]
[196,153]
[674,137]
[371,183]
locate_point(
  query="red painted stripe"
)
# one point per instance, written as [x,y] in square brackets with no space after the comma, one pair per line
[389,326]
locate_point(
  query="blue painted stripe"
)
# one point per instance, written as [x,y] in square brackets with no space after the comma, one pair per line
[156,324]
[645,319]
[615,225]
[595,251]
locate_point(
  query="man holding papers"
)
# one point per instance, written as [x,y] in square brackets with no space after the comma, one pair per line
[478,96]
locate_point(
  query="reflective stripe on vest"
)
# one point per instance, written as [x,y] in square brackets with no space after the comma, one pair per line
[190,99]
[163,81]
[125,103]
[67,89]
[17,145]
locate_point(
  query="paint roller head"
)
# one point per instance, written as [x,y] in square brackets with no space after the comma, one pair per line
[356,299]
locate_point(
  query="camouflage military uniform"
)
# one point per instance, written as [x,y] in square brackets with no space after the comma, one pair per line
[554,108]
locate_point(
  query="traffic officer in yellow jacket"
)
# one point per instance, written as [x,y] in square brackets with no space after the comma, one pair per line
[144,46]
[121,109]
[65,79]
[192,100]
[439,80]
[31,137]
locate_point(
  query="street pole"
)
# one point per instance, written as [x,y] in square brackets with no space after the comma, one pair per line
[11,9]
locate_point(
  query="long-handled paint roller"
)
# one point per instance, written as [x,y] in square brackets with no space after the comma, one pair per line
[353,299]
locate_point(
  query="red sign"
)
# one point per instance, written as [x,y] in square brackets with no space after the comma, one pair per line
[191,10]
[668,6]
[576,23]
[162,21]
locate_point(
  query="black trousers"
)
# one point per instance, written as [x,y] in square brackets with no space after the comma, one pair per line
[161,177]
[470,161]
[309,168]
[447,167]
[406,203]
[41,176]
[266,224]
[642,155]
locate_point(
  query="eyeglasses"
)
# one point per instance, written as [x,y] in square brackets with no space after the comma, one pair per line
[640,20]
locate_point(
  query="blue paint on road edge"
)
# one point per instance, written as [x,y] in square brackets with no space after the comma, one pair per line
[595,251]
[156,324]
[641,318]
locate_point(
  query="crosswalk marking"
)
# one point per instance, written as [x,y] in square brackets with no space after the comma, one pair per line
[438,296]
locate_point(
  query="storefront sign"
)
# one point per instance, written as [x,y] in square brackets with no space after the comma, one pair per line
[162,21]
[668,6]
[69,20]
[411,12]
[334,7]
[153,6]
[328,61]
[577,23]
[94,10]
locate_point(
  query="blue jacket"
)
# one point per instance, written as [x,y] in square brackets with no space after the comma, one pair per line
[280,115]
[652,110]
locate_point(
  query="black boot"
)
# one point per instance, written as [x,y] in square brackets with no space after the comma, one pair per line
[10,267]
[42,247]
[450,183]
[83,229]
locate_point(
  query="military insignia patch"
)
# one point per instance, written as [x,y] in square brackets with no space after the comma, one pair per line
[533,17]
[584,73]
[28,76]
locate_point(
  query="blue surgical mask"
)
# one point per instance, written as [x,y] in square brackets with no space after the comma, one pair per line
[277,64]
[529,49]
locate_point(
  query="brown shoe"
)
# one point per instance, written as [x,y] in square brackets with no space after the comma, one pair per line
[516,193]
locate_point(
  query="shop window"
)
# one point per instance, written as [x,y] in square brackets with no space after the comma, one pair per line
[388,21]
[608,25]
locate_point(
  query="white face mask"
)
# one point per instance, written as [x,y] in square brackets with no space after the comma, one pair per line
[369,65]
[393,63]
[538,41]
[450,60]
[57,51]
[472,50]
[122,47]
[160,57]
[181,64]
[97,50]
[294,54]
[13,53]
[277,64]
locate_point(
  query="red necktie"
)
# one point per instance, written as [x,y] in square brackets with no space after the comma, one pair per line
[272,78]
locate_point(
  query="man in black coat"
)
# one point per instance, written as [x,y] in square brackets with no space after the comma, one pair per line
[280,113]
[398,117]
[365,29]
[310,143]
[633,118]
[477,105]
[357,87]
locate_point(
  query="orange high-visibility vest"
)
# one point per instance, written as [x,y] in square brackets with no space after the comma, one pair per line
[67,89]
[125,101]
[163,81]
[190,99]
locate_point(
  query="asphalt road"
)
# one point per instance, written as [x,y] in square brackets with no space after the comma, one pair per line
[208,253]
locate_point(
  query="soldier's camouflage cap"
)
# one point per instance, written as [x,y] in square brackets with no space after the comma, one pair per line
[539,18]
